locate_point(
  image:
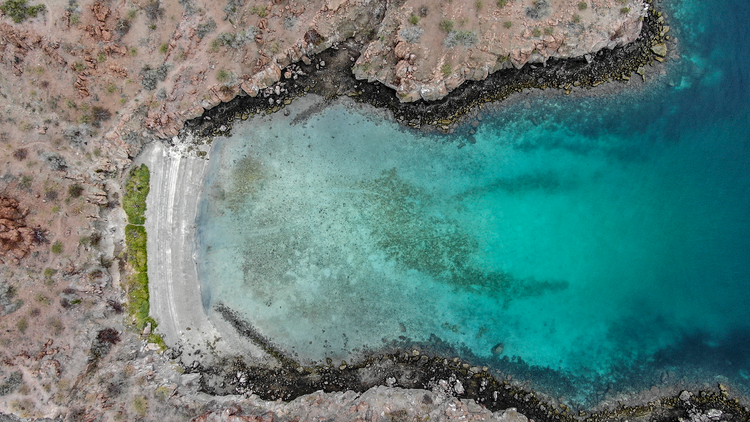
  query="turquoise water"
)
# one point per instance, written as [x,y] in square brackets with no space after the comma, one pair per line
[600,241]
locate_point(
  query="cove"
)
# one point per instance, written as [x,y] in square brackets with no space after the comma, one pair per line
[600,238]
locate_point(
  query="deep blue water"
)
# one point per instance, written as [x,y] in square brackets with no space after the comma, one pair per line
[604,242]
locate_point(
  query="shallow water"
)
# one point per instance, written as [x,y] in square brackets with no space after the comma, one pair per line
[606,239]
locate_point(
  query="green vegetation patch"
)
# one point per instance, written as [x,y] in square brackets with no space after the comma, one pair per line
[136,191]
[18,11]
[136,240]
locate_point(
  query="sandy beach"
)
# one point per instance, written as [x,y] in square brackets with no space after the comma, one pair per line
[174,288]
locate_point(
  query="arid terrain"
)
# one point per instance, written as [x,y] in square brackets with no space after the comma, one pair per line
[85,84]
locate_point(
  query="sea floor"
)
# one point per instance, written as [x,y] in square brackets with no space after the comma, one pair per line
[600,238]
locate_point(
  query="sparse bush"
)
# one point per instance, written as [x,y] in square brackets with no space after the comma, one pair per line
[478,4]
[25,182]
[50,195]
[625,10]
[507,24]
[164,48]
[414,19]
[153,10]
[502,3]
[231,7]
[447,69]
[188,6]
[18,11]
[446,25]
[77,135]
[122,27]
[411,34]
[461,37]
[140,405]
[289,22]
[75,191]
[22,325]
[549,30]
[576,18]
[56,326]
[239,39]
[57,248]
[423,11]
[204,29]
[20,154]
[10,384]
[222,75]
[538,9]
[261,11]
[101,58]
[583,5]
[151,77]
[103,342]
[49,272]
[536,32]
[55,162]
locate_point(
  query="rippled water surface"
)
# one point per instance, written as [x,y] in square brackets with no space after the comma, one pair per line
[582,241]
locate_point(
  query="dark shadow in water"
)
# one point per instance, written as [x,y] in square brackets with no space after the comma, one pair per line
[729,356]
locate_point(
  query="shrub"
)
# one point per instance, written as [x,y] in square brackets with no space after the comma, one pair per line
[423,11]
[625,10]
[465,38]
[447,25]
[164,48]
[22,325]
[204,29]
[536,32]
[576,18]
[75,191]
[538,9]
[222,75]
[151,77]
[57,247]
[508,24]
[140,405]
[583,5]
[18,11]
[49,272]
[478,4]
[153,10]
[414,19]
[411,34]
[20,154]
[549,30]
[261,11]
[25,182]
[447,69]
[502,3]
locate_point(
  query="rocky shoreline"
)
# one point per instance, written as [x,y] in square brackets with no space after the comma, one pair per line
[329,74]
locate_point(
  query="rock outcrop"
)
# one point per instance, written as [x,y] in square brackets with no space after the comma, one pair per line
[16,239]
[425,53]
[375,404]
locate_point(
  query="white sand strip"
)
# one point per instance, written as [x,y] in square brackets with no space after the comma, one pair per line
[174,288]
